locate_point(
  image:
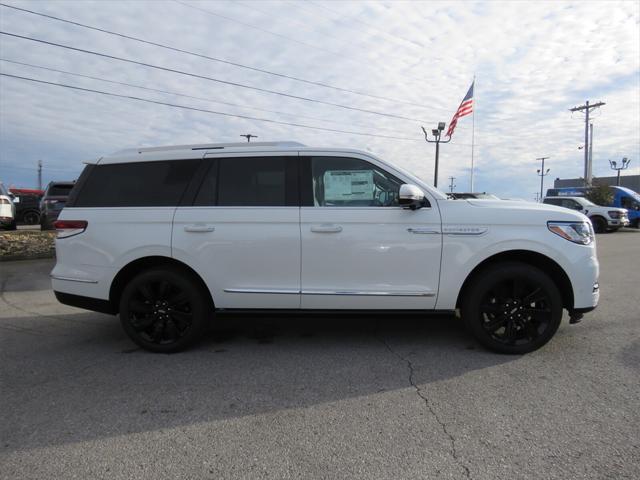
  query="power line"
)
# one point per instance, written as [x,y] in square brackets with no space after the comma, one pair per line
[373,27]
[167,92]
[215,59]
[264,30]
[212,79]
[196,109]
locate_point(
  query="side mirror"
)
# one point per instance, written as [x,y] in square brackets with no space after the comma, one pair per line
[412,197]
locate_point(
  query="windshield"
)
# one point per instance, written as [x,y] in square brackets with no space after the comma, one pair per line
[3,190]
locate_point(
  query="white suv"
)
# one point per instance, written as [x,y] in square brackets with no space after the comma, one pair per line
[167,236]
[603,218]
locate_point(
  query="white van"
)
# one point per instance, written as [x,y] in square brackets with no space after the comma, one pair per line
[167,236]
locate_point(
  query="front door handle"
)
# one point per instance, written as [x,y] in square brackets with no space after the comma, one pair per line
[199,228]
[326,228]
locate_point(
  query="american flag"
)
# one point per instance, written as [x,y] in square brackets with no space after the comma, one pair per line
[465,108]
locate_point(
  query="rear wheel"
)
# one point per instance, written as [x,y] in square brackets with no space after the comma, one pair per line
[164,310]
[599,224]
[512,308]
[31,218]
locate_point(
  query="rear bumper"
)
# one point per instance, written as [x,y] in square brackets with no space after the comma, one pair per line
[88,303]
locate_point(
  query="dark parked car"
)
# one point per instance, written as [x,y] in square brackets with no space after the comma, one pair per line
[27,202]
[54,199]
[479,195]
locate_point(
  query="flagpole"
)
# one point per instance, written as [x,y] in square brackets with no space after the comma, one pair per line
[473,130]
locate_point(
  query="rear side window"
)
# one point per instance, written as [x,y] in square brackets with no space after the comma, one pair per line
[140,184]
[250,182]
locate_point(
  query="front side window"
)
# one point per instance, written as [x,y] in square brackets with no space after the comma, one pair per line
[351,182]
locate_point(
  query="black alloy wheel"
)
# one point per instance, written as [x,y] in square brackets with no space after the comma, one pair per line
[513,308]
[31,218]
[164,310]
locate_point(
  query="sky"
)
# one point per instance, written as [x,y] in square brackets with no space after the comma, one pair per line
[532,62]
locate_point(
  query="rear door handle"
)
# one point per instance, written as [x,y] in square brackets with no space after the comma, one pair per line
[326,228]
[422,231]
[199,228]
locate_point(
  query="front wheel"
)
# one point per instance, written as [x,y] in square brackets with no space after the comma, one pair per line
[599,224]
[512,308]
[164,310]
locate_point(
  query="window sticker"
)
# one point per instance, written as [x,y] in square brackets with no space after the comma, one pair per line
[341,185]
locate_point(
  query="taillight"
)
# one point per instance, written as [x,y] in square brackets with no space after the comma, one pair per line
[69,228]
[4,201]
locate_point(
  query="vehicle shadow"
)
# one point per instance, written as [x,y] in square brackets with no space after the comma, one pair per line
[91,382]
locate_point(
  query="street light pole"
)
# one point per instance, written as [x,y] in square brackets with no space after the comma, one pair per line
[614,166]
[437,133]
[542,174]
[249,136]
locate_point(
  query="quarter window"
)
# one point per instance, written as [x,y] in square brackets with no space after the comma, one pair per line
[351,182]
[139,184]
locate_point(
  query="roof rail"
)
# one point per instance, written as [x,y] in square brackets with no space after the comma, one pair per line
[213,146]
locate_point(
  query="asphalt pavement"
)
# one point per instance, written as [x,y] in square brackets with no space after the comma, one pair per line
[382,397]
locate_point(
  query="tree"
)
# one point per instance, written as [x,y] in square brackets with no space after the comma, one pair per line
[600,194]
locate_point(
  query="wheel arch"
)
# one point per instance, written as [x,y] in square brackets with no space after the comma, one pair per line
[535,259]
[131,269]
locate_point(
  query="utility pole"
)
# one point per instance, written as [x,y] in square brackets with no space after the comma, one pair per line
[249,136]
[537,196]
[451,185]
[590,152]
[39,174]
[586,108]
[436,132]
[614,166]
[542,174]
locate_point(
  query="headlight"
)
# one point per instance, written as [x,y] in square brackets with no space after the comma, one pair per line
[576,232]
[613,214]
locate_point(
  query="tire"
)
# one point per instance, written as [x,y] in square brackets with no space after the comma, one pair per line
[512,308]
[599,224]
[31,218]
[13,225]
[164,310]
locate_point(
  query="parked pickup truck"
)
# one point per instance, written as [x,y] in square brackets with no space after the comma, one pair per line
[603,218]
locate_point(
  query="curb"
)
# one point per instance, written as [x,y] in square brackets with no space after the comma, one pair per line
[37,256]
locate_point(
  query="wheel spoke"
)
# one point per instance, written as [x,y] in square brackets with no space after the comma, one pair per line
[177,299]
[163,289]
[495,323]
[517,288]
[142,323]
[182,319]
[147,293]
[140,307]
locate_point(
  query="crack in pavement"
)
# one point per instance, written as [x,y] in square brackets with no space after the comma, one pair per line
[434,414]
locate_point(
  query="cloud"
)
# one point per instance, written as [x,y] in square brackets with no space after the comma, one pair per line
[532,60]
